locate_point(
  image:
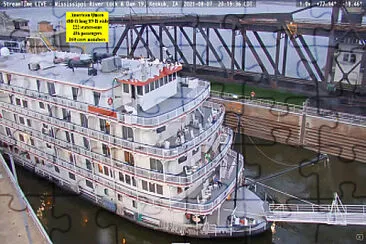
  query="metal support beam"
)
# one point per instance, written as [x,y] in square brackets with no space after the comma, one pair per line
[207,48]
[232,56]
[190,43]
[140,38]
[244,32]
[328,76]
[301,55]
[284,61]
[312,59]
[123,36]
[194,48]
[277,57]
[226,47]
[211,47]
[255,54]
[264,48]
[175,44]
[161,42]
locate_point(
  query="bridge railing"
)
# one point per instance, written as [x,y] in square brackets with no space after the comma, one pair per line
[361,209]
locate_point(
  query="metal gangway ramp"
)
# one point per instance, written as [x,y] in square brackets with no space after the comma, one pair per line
[334,214]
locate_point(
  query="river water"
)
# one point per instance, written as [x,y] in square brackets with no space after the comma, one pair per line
[71,219]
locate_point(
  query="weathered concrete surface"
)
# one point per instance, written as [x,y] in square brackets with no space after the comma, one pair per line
[14,215]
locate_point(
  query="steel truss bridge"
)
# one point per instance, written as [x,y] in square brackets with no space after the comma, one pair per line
[202,35]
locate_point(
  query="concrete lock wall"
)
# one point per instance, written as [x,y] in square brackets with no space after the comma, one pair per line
[323,131]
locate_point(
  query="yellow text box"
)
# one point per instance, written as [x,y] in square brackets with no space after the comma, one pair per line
[87,27]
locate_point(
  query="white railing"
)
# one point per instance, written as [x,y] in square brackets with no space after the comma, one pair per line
[167,178]
[195,208]
[119,142]
[201,93]
[287,107]
[337,116]
[21,195]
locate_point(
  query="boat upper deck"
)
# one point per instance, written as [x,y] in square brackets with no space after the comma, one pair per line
[138,71]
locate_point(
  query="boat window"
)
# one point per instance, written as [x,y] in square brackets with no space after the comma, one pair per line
[147,88]
[57,169]
[106,171]
[165,80]
[352,58]
[88,164]
[134,204]
[71,176]
[156,165]
[182,159]
[133,181]
[38,85]
[51,88]
[129,158]
[66,115]
[71,158]
[156,84]
[144,185]
[1,78]
[151,187]
[84,120]
[21,137]
[25,103]
[104,126]
[119,196]
[31,141]
[128,179]
[8,131]
[159,189]
[106,191]
[41,105]
[139,90]
[96,98]
[106,150]
[21,120]
[126,88]
[9,78]
[100,168]
[75,92]
[152,86]
[86,143]
[161,81]
[121,178]
[17,101]
[29,123]
[89,184]
[127,133]
[195,151]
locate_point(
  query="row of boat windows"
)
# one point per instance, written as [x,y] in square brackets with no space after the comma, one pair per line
[151,86]
[125,178]
[51,89]
[104,125]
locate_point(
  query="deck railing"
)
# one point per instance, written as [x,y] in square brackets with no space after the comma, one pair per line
[119,142]
[194,208]
[164,177]
[201,93]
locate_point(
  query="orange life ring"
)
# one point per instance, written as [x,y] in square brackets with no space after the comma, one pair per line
[110,101]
